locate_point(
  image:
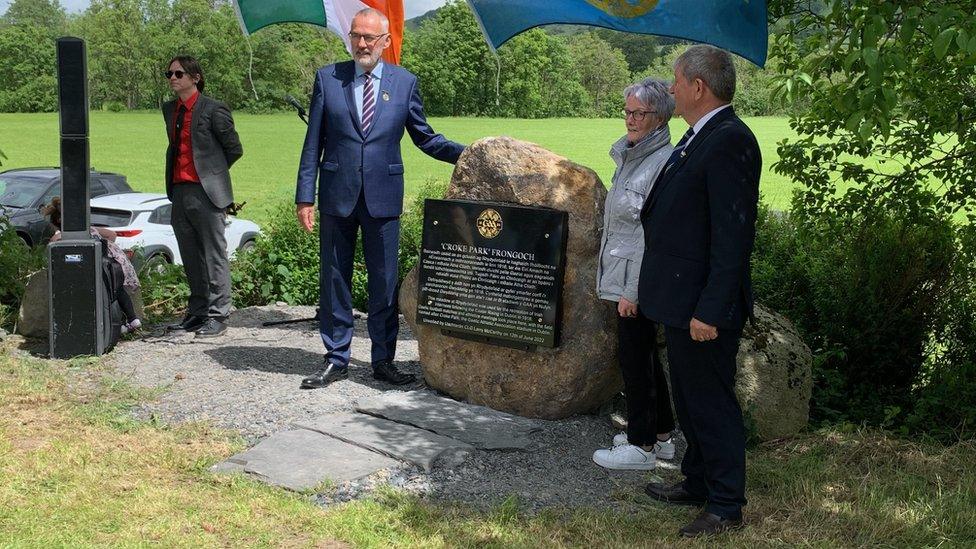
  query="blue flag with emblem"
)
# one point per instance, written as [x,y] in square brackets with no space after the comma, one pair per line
[735,25]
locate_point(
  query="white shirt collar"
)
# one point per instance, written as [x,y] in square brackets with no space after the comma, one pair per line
[377,71]
[704,120]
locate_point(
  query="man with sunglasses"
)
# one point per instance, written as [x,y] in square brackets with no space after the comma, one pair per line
[203,145]
[358,114]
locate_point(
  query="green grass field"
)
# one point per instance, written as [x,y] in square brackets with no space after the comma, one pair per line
[134,144]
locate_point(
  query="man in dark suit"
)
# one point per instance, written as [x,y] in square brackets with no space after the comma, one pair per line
[203,145]
[699,226]
[359,111]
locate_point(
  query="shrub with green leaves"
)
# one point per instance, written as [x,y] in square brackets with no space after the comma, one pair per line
[866,292]
[284,264]
[17,264]
[164,292]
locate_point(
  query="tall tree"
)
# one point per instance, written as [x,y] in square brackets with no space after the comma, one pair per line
[28,66]
[538,78]
[452,62]
[118,56]
[47,14]
[891,118]
[602,71]
[27,55]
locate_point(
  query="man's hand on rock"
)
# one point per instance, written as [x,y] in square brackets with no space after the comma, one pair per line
[306,215]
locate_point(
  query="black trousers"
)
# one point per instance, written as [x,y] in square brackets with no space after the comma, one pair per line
[199,229]
[646,388]
[703,381]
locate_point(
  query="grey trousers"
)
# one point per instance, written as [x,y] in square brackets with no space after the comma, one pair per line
[199,229]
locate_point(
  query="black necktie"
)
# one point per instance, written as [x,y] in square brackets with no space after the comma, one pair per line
[676,153]
[178,129]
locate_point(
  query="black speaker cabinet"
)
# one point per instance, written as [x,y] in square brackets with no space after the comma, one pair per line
[75,185]
[80,308]
[72,87]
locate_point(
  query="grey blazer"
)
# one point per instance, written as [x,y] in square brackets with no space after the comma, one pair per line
[216,147]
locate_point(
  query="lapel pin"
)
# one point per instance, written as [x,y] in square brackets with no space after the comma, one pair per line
[386,95]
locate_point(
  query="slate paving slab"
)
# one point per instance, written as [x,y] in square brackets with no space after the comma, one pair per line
[404,442]
[479,426]
[300,459]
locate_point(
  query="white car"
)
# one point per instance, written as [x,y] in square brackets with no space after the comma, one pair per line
[142,220]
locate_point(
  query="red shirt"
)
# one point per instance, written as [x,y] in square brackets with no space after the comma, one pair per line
[183,169]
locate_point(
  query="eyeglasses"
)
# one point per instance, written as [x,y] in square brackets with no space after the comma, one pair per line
[169,74]
[636,115]
[370,39]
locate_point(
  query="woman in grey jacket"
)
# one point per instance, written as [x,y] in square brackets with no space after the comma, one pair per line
[640,156]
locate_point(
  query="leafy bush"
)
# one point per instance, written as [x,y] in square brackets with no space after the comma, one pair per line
[164,292]
[284,264]
[945,403]
[114,106]
[865,291]
[17,264]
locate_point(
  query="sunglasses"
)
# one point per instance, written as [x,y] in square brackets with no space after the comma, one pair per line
[169,74]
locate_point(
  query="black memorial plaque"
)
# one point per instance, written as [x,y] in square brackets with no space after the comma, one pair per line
[493,272]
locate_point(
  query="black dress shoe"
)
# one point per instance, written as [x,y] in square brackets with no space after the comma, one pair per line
[708,524]
[190,323]
[386,371]
[325,376]
[675,494]
[212,327]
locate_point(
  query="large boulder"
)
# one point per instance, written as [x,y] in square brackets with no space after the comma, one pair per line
[581,373]
[774,380]
[33,318]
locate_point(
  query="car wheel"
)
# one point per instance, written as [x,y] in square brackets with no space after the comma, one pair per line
[247,246]
[156,264]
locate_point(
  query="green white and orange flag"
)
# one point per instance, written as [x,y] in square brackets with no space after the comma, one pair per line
[336,15]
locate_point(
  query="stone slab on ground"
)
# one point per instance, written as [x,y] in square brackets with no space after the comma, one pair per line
[300,459]
[397,440]
[479,426]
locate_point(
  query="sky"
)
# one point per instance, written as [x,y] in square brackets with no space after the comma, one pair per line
[412,8]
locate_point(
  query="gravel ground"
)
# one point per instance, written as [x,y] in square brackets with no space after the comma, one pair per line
[248,380]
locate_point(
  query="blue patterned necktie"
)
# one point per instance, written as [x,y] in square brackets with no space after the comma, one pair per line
[676,153]
[369,101]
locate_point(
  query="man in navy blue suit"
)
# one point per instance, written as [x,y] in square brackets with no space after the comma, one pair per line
[359,111]
[699,226]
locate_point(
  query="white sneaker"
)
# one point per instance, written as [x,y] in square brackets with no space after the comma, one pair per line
[131,326]
[625,457]
[663,449]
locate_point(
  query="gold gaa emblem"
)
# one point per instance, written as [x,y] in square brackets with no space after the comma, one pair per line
[625,8]
[489,223]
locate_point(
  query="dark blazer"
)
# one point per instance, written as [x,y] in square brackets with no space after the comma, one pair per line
[699,227]
[216,147]
[345,160]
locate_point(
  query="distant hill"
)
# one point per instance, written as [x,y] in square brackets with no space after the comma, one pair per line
[414,24]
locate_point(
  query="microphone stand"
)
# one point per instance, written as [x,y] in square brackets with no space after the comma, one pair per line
[292,320]
[298,107]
